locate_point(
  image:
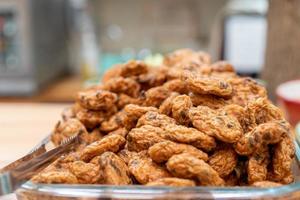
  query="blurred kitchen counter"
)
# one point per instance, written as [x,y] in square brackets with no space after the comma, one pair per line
[23,125]
[62,90]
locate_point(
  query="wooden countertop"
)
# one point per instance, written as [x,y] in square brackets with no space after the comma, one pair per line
[22,125]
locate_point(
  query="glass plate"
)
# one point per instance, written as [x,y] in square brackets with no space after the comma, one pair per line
[31,191]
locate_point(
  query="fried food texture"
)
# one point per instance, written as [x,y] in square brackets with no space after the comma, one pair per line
[145,170]
[187,166]
[114,169]
[223,161]
[225,128]
[111,143]
[182,122]
[162,151]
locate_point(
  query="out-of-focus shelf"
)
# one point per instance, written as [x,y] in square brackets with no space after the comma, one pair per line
[63,90]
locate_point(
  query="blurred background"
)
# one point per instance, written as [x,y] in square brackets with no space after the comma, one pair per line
[50,49]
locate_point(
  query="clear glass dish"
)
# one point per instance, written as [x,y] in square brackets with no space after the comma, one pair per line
[31,191]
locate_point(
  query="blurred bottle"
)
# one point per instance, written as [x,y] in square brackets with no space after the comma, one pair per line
[84,49]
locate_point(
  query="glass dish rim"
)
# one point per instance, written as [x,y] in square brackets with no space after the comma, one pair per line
[132,191]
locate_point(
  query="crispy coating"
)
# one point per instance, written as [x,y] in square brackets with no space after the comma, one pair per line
[90,137]
[262,111]
[114,169]
[156,77]
[145,170]
[133,113]
[86,173]
[222,66]
[187,166]
[264,184]
[182,134]
[207,85]
[92,119]
[120,131]
[162,151]
[166,106]
[139,139]
[55,177]
[109,143]
[186,57]
[223,127]
[208,100]
[96,99]
[124,99]
[257,165]
[64,130]
[155,119]
[282,160]
[263,134]
[241,114]
[126,155]
[112,72]
[176,85]
[180,109]
[245,90]
[155,96]
[223,161]
[174,182]
[123,85]
[133,68]
[114,122]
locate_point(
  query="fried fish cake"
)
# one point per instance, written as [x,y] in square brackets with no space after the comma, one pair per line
[263,134]
[111,143]
[208,100]
[115,122]
[262,111]
[166,106]
[145,170]
[139,139]
[207,85]
[55,177]
[162,151]
[114,169]
[155,96]
[155,119]
[257,165]
[187,166]
[282,160]
[241,114]
[133,113]
[133,68]
[123,85]
[225,128]
[245,89]
[185,57]
[223,161]
[92,119]
[86,173]
[182,134]
[180,109]
[66,129]
[96,99]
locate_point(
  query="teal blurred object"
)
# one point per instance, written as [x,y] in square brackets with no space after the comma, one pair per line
[298,131]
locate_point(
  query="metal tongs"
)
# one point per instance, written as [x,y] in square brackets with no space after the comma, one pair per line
[15,174]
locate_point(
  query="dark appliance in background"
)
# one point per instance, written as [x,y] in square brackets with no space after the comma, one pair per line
[33,48]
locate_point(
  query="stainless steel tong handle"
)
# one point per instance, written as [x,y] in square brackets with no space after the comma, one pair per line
[16,173]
